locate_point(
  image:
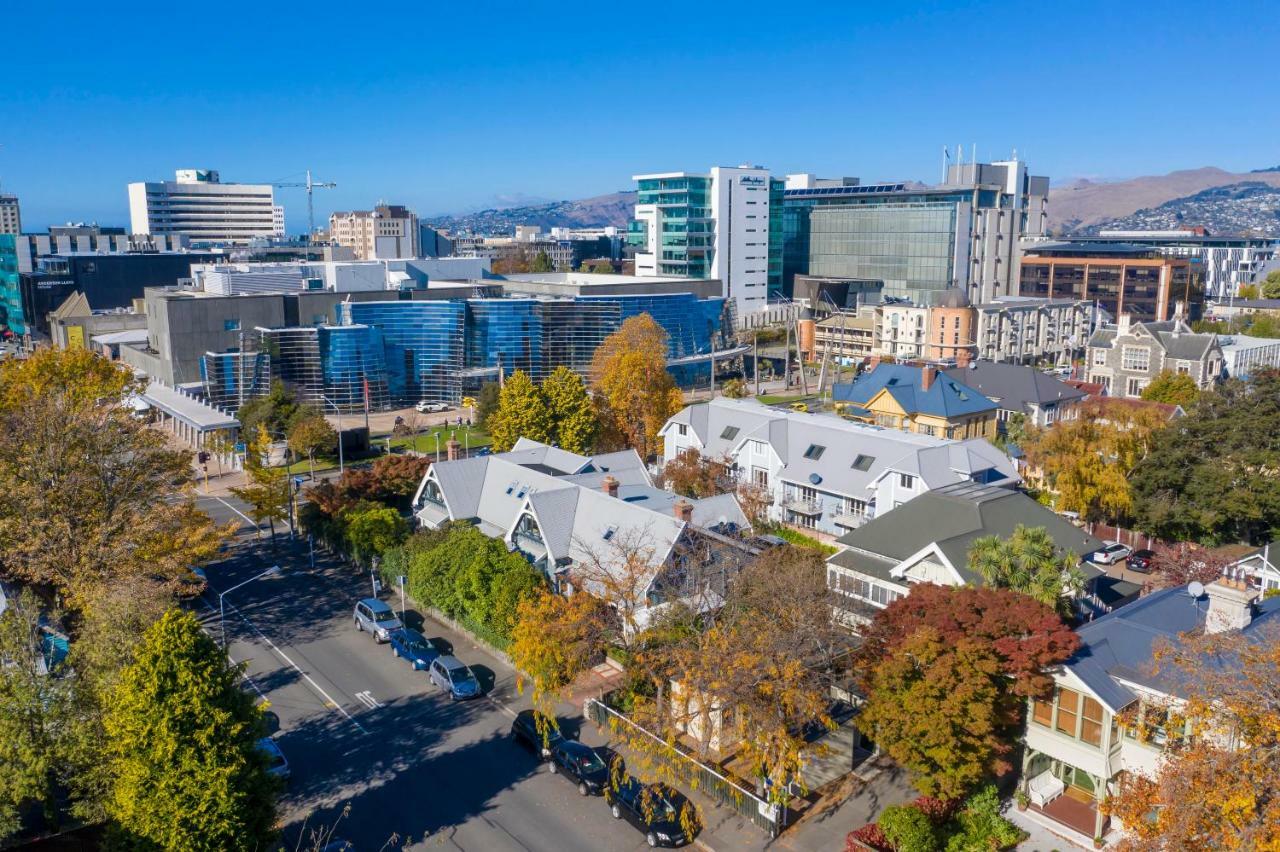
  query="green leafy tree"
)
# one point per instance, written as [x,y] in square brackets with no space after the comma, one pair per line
[1172,388]
[979,827]
[182,735]
[522,413]
[268,489]
[487,403]
[908,829]
[1212,476]
[573,416]
[1264,325]
[311,434]
[602,267]
[734,389]
[585,266]
[1027,562]
[276,411]
[1270,287]
[372,529]
[34,709]
[541,263]
[1248,291]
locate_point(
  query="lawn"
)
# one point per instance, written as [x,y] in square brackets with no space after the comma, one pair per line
[779,398]
[426,441]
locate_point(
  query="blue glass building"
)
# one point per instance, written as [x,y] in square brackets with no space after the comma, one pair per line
[423,346]
[353,363]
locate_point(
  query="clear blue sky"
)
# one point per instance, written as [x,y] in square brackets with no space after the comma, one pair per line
[451,106]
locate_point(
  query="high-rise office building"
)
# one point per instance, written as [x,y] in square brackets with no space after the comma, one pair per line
[387,232]
[10,215]
[208,211]
[707,226]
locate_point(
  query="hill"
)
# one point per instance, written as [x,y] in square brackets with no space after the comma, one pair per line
[615,208]
[1083,205]
[1238,208]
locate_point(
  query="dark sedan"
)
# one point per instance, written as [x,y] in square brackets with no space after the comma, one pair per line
[1141,561]
[524,730]
[581,764]
[653,808]
[411,645]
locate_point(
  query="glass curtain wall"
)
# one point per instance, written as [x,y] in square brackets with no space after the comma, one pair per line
[910,247]
[423,345]
[354,362]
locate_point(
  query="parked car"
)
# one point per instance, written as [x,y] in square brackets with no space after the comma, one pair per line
[448,672]
[1110,553]
[411,645]
[524,730]
[428,407]
[375,617]
[1140,561]
[580,763]
[277,765]
[652,808]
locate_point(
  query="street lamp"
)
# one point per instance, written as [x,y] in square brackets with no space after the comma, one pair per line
[373,574]
[342,468]
[222,612]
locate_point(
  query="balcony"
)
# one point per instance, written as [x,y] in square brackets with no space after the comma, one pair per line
[804,506]
[848,519]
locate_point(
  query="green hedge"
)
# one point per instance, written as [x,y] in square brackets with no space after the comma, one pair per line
[799,539]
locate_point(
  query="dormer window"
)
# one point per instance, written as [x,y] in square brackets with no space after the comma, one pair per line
[863,462]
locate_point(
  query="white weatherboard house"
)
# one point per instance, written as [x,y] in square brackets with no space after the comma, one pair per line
[1078,751]
[563,510]
[826,473]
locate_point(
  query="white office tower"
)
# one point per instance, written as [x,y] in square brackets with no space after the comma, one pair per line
[10,216]
[707,226]
[208,211]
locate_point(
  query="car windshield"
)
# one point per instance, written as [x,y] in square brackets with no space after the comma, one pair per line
[662,807]
[385,616]
[460,675]
[419,646]
[589,762]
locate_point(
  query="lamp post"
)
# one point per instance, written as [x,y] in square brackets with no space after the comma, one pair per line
[342,467]
[222,612]
[373,574]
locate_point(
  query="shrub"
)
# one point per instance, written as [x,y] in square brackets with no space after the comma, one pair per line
[908,829]
[868,835]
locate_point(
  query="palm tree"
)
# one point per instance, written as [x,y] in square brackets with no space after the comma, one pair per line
[1026,562]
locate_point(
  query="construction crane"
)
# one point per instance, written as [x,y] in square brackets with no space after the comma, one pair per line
[310,186]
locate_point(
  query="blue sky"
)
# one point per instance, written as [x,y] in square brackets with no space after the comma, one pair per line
[448,107]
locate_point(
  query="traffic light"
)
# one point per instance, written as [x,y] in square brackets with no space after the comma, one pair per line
[203,457]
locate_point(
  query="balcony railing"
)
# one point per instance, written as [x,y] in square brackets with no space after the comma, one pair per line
[804,505]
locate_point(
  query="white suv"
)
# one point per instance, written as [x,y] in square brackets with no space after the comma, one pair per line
[426,407]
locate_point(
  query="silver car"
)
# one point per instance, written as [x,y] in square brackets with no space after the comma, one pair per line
[277,765]
[375,617]
[1110,553]
[450,673]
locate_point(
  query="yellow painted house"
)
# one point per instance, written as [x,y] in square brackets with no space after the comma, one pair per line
[917,399]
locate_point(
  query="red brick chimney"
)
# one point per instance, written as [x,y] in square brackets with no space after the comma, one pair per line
[927,374]
[453,449]
[683,510]
[610,485]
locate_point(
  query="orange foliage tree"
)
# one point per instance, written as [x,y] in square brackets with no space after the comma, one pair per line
[634,392]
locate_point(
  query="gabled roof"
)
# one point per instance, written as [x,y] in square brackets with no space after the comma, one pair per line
[1173,336]
[945,397]
[952,517]
[1013,386]
[75,305]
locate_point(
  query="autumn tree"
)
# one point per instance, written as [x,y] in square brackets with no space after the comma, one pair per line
[185,767]
[1088,461]
[1186,562]
[522,413]
[602,267]
[268,491]
[1248,291]
[1028,562]
[691,475]
[1211,478]
[635,393]
[555,638]
[372,529]
[88,493]
[1173,389]
[573,416]
[312,434]
[1219,788]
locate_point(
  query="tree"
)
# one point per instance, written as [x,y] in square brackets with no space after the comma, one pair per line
[734,389]
[585,266]
[636,394]
[34,709]
[276,411]
[1173,389]
[522,413]
[486,403]
[111,496]
[555,638]
[602,267]
[311,434]
[1211,476]
[1017,430]
[1219,788]
[541,263]
[573,417]
[1027,562]
[268,489]
[908,829]
[372,529]
[1088,461]
[1248,291]
[1184,562]
[691,475]
[1271,285]
[187,772]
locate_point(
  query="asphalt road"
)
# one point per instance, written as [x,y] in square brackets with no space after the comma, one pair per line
[365,733]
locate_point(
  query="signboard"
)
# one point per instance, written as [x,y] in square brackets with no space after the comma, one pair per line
[75,337]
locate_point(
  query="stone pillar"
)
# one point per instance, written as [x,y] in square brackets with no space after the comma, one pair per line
[453,448]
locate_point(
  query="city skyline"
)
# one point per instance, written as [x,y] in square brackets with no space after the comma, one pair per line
[477,110]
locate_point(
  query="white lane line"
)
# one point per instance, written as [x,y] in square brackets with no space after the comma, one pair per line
[328,699]
[368,700]
[251,521]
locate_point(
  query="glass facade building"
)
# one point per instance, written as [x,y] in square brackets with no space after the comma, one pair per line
[353,362]
[423,346]
[910,247]
[232,378]
[12,319]
[685,229]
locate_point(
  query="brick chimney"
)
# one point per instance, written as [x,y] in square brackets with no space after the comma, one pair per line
[610,485]
[927,375]
[875,362]
[683,510]
[453,449]
[1230,605]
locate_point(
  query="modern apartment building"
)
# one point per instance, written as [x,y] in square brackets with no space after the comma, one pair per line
[1027,330]
[203,208]
[10,215]
[901,329]
[1119,277]
[963,233]
[388,231]
[712,225]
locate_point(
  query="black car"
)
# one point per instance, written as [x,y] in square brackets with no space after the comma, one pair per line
[580,763]
[524,730]
[653,808]
[1140,561]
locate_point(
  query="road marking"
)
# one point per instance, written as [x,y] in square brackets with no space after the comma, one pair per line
[251,521]
[366,698]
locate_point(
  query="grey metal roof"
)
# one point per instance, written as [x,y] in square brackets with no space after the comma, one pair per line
[953,516]
[1174,337]
[1014,387]
[188,409]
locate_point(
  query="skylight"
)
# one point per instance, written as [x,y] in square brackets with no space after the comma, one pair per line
[729,433]
[814,452]
[608,533]
[863,462]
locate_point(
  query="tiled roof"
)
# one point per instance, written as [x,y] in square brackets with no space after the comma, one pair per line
[945,397]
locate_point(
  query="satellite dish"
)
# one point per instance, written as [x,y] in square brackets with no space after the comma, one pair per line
[815,478]
[1195,588]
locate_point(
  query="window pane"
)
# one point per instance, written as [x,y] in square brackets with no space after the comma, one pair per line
[1091,727]
[1042,712]
[1068,709]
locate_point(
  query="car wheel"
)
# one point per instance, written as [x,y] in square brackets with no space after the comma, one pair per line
[359,628]
[553,768]
[651,839]
[582,788]
[616,811]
